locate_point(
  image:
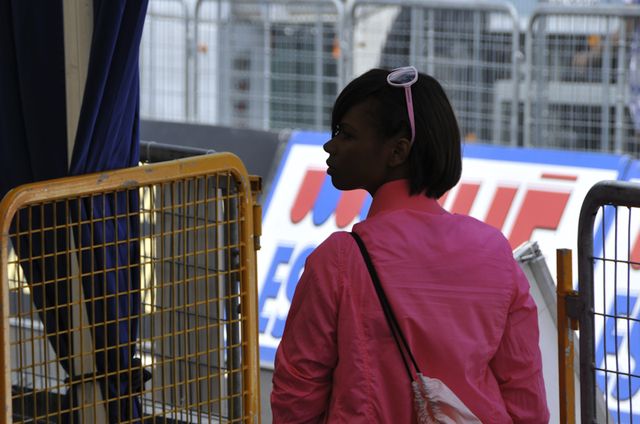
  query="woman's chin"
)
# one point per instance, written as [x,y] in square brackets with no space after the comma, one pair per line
[341,185]
[335,181]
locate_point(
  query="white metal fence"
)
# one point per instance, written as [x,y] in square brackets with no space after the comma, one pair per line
[165,61]
[466,46]
[562,82]
[578,78]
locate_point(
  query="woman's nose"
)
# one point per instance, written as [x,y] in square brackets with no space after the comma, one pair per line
[327,146]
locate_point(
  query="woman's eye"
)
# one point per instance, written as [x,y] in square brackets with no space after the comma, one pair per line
[340,132]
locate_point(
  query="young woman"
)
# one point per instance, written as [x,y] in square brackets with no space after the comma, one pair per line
[460,299]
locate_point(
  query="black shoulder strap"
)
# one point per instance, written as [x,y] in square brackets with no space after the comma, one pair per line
[386,307]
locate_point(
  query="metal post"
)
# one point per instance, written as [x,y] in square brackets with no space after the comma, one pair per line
[528,54]
[621,88]
[346,30]
[266,67]
[431,47]
[516,58]
[605,112]
[190,49]
[566,348]
[151,93]
[232,306]
[415,29]
[318,110]
[196,61]
[587,336]
[476,94]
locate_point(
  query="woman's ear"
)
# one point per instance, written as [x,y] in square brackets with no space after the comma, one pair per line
[400,150]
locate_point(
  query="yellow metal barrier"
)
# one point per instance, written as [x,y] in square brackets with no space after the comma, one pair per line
[131,296]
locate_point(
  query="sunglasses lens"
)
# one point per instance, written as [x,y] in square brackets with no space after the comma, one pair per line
[402,76]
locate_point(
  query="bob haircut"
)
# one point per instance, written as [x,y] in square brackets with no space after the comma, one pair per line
[435,159]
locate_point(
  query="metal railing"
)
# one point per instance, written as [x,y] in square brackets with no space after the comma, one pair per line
[468,47]
[266,65]
[280,63]
[608,303]
[131,294]
[166,54]
[577,79]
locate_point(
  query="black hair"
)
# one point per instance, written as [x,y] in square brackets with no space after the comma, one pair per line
[435,159]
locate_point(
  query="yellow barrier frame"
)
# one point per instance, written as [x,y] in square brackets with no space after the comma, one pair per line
[566,348]
[129,178]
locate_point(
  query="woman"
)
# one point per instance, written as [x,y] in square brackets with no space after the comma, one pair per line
[460,299]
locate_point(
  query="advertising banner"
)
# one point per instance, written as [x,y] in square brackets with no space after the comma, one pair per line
[528,194]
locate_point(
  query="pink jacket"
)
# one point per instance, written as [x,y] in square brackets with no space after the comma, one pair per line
[462,303]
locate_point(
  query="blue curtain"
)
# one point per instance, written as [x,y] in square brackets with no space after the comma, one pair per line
[33,147]
[33,126]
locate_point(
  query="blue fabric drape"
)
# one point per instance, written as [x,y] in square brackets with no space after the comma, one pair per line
[107,135]
[33,126]
[108,138]
[33,147]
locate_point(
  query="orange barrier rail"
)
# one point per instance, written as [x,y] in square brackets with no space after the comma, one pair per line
[178,239]
[566,348]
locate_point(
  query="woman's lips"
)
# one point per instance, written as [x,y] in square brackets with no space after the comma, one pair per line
[329,167]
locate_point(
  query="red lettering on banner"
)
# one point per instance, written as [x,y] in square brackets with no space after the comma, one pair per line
[634,255]
[349,206]
[540,209]
[500,206]
[307,194]
[464,199]
[565,177]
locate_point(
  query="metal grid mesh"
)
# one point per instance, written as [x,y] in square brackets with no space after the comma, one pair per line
[280,64]
[616,313]
[470,49]
[173,337]
[164,61]
[577,84]
[266,65]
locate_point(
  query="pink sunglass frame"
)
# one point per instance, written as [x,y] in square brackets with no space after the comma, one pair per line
[392,79]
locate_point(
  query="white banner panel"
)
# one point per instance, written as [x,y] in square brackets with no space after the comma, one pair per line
[526,193]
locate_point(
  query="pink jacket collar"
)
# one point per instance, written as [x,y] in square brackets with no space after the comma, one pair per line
[395,195]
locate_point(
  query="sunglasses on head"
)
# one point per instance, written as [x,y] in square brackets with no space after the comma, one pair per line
[405,77]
